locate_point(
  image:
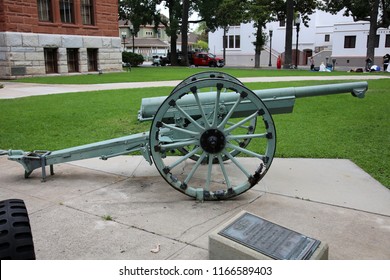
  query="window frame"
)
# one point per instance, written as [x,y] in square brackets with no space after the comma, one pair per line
[350,42]
[45,10]
[87,9]
[387,41]
[73,60]
[67,11]
[92,59]
[51,60]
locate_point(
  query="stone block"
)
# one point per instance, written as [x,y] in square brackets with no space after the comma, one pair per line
[106,42]
[30,40]
[72,41]
[2,39]
[17,56]
[116,43]
[49,41]
[223,248]
[92,42]
[13,39]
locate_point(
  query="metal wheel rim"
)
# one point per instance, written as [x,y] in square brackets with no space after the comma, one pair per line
[207,188]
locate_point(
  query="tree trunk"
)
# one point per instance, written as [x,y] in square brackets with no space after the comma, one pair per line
[373,29]
[184,33]
[289,29]
[173,28]
[258,45]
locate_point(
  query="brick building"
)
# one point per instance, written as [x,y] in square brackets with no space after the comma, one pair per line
[39,37]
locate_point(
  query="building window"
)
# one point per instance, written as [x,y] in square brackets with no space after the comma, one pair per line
[51,63]
[67,11]
[327,37]
[234,42]
[282,23]
[87,12]
[44,10]
[92,59]
[349,42]
[376,40]
[387,41]
[73,60]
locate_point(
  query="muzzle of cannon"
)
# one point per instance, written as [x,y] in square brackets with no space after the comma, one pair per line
[200,135]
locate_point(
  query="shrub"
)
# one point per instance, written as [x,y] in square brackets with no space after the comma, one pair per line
[133,58]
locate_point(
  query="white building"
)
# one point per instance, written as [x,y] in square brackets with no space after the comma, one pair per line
[327,37]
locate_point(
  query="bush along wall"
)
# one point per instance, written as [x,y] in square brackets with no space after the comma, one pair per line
[133,58]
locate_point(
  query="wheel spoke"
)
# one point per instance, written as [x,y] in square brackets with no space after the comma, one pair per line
[217,100]
[194,133]
[246,136]
[180,144]
[194,122]
[183,158]
[245,151]
[254,115]
[194,168]
[220,160]
[209,172]
[206,123]
[229,114]
[241,126]
[237,163]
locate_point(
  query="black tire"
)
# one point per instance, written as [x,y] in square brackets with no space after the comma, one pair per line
[16,241]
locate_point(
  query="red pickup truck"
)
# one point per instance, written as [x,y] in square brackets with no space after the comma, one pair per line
[207,59]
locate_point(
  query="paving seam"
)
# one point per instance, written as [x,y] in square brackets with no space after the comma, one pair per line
[329,204]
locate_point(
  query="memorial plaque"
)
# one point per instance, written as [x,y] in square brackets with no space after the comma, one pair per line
[270,239]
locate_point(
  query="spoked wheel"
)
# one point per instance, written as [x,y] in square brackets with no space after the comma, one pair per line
[209,119]
[250,127]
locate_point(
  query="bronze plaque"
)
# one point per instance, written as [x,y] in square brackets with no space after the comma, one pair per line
[270,239]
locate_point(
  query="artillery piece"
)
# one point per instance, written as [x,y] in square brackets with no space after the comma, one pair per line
[200,135]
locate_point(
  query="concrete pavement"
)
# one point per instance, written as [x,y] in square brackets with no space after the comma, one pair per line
[330,200]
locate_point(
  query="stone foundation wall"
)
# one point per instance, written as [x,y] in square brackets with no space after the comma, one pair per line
[22,54]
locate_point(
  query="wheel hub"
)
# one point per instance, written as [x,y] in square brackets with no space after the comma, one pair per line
[213,141]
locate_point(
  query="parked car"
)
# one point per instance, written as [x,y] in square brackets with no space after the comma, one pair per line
[207,59]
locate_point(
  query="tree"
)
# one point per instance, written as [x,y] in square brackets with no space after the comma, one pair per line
[138,12]
[172,24]
[288,10]
[222,14]
[377,12]
[184,32]
[260,12]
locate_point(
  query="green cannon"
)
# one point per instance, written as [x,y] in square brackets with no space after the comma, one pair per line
[200,135]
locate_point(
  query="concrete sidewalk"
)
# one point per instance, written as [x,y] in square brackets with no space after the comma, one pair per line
[17,90]
[330,200]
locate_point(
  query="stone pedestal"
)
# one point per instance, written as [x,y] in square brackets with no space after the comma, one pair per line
[224,247]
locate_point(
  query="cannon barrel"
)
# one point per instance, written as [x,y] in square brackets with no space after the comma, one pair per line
[278,101]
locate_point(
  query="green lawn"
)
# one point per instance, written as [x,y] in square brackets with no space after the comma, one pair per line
[320,127]
[145,74]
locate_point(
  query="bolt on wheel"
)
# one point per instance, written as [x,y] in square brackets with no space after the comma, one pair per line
[209,118]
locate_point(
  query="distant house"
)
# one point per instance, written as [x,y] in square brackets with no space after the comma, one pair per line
[328,37]
[39,37]
[149,41]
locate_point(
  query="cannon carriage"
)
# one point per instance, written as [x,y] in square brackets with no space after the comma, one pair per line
[200,135]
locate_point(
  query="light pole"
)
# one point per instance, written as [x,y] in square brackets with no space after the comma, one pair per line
[297,24]
[124,35]
[132,34]
[270,46]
